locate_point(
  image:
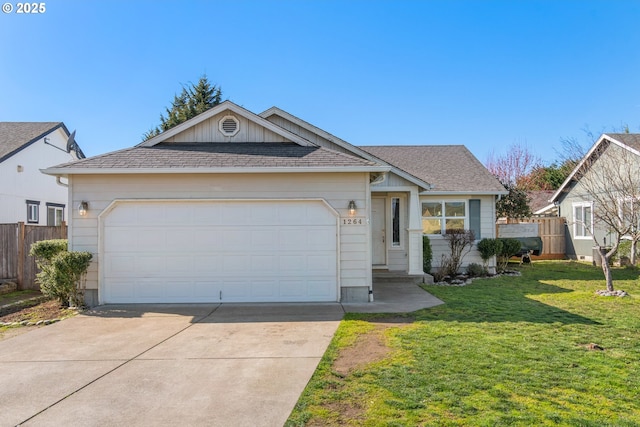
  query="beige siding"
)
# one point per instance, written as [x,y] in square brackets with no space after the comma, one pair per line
[439,244]
[392,180]
[207,131]
[337,189]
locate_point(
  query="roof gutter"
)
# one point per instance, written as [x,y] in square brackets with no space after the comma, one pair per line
[234,170]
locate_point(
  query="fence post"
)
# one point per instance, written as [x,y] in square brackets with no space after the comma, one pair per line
[21,239]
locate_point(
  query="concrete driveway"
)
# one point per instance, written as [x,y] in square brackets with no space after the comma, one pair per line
[165,365]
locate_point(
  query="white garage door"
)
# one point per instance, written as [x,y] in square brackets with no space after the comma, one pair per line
[219,251]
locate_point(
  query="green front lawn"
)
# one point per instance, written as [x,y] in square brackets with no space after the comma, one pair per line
[506,351]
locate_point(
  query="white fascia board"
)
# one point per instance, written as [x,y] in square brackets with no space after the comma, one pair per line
[543,210]
[342,143]
[226,105]
[140,171]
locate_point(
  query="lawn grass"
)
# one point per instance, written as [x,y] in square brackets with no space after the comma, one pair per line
[501,352]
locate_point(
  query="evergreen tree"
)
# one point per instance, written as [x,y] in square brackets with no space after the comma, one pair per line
[193,100]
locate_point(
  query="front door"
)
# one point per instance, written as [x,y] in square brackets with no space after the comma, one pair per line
[378,231]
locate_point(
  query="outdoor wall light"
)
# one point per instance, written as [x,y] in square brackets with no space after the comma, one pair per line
[352,207]
[83,207]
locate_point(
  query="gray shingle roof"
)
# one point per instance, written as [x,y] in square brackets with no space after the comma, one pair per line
[447,167]
[16,135]
[218,155]
[630,139]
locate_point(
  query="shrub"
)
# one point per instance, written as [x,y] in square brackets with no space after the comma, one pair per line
[427,254]
[460,243]
[45,250]
[624,250]
[62,272]
[476,270]
[510,247]
[489,248]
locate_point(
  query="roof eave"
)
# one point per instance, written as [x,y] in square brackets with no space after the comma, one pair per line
[34,140]
[226,105]
[575,170]
[140,171]
[341,143]
[464,193]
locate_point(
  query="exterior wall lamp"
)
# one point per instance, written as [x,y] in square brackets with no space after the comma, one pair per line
[352,207]
[83,207]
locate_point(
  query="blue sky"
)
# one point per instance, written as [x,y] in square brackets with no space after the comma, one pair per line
[486,74]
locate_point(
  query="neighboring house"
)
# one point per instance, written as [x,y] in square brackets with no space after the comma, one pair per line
[26,195]
[539,203]
[231,206]
[577,208]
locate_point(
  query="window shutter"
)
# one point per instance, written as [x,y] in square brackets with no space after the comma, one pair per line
[474,217]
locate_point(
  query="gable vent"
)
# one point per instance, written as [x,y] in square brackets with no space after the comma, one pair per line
[229,126]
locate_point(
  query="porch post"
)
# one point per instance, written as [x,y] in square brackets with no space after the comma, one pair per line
[415,233]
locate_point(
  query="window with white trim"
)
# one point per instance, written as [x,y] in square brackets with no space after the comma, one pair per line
[440,216]
[33,212]
[55,214]
[582,220]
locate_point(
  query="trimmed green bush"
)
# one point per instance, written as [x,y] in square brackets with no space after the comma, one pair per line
[427,254]
[62,272]
[476,270]
[510,247]
[45,250]
[489,248]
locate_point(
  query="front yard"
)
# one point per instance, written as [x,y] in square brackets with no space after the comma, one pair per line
[540,349]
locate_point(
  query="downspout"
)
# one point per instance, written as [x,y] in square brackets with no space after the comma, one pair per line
[59,182]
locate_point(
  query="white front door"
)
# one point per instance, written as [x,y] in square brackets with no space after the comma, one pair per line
[378,231]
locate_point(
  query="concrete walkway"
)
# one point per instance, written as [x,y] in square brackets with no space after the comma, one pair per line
[167,365]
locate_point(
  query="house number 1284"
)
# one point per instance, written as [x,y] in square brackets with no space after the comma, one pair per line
[352,221]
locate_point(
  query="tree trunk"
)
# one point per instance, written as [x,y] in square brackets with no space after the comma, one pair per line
[632,257]
[604,257]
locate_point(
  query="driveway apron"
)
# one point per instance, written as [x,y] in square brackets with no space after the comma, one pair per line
[165,365]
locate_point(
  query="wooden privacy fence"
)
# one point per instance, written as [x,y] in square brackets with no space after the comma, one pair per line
[15,242]
[551,230]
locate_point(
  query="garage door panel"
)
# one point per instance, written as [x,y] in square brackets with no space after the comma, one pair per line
[264,214]
[180,240]
[152,213]
[235,290]
[262,239]
[322,238]
[179,289]
[149,265]
[178,264]
[206,264]
[264,289]
[150,288]
[235,263]
[234,214]
[292,289]
[295,263]
[220,251]
[264,264]
[318,288]
[121,266]
[147,239]
[321,264]
[235,239]
[207,290]
[206,214]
